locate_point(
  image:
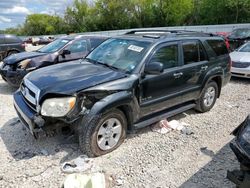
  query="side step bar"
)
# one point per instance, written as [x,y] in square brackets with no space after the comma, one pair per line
[167,114]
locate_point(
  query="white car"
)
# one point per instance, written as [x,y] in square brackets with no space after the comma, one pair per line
[241,61]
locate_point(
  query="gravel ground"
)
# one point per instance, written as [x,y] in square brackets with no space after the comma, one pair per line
[145,159]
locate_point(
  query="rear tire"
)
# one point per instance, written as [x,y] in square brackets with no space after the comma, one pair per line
[208,97]
[102,134]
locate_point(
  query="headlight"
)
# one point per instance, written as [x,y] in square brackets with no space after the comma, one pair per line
[1,64]
[57,107]
[23,64]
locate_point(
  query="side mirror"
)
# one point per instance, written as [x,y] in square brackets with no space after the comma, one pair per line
[154,68]
[65,52]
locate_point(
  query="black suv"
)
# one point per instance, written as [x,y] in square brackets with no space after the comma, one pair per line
[126,83]
[10,44]
[64,49]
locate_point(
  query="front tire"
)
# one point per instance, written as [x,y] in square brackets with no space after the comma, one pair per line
[208,97]
[104,134]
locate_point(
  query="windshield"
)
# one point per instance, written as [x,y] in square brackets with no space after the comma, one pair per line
[122,54]
[240,33]
[245,48]
[54,46]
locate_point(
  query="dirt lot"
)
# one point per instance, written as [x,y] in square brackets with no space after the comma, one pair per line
[146,159]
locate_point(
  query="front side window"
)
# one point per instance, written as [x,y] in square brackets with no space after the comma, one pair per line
[193,52]
[78,46]
[123,54]
[54,46]
[167,55]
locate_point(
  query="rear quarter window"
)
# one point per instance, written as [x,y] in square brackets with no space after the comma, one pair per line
[218,46]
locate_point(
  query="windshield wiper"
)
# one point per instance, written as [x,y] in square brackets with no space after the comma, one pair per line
[104,64]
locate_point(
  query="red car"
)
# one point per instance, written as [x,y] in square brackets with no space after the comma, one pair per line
[224,35]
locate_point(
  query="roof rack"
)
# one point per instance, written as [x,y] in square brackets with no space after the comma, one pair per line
[157,32]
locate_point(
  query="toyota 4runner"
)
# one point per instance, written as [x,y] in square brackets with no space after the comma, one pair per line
[128,82]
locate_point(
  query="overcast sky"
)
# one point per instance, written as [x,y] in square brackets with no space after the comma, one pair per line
[14,12]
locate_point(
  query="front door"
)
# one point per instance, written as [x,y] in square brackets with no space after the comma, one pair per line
[159,91]
[78,49]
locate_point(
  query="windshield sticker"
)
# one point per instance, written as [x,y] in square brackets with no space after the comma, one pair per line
[135,48]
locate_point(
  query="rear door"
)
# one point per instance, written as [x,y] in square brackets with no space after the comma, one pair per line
[78,49]
[194,67]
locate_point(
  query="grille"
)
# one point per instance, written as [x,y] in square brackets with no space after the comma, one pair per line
[240,64]
[30,93]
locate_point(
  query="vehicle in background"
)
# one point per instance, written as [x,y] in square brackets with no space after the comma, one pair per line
[64,49]
[241,61]
[128,82]
[27,40]
[238,37]
[41,40]
[224,35]
[241,148]
[10,44]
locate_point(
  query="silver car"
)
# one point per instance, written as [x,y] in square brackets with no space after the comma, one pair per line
[241,61]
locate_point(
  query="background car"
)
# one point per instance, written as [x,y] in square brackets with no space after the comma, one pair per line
[238,37]
[64,49]
[42,40]
[10,44]
[225,36]
[241,61]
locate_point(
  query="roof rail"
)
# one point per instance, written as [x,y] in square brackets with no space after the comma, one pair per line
[157,31]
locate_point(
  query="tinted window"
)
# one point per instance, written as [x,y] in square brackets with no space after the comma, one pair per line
[193,52]
[78,46]
[218,46]
[167,55]
[12,39]
[95,42]
[1,40]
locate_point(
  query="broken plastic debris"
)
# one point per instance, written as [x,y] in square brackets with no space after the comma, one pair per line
[165,126]
[161,127]
[95,180]
[80,164]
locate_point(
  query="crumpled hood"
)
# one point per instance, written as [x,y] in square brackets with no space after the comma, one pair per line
[68,78]
[240,56]
[16,58]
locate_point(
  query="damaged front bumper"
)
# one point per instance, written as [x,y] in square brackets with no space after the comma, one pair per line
[12,77]
[32,121]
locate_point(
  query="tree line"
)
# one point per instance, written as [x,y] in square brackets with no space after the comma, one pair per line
[103,15]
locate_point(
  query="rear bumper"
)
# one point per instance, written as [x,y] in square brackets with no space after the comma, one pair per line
[32,121]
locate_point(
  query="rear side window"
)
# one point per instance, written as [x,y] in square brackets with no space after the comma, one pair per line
[218,46]
[12,39]
[193,52]
[1,40]
[167,55]
[95,42]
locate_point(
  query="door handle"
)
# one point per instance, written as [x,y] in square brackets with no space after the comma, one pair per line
[204,68]
[178,75]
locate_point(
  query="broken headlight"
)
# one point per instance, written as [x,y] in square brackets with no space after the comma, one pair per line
[58,107]
[24,65]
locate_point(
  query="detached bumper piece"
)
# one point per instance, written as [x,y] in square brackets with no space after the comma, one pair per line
[241,178]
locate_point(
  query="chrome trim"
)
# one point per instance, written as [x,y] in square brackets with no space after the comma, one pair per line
[25,91]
